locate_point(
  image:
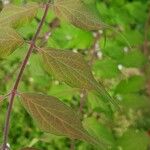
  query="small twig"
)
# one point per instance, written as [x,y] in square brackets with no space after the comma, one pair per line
[145,45]
[72,145]
[52,25]
[22,68]
[146,50]
[94,47]
[93,55]
[83,94]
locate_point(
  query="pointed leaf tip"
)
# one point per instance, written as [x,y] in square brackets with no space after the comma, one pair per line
[71,68]
[55,117]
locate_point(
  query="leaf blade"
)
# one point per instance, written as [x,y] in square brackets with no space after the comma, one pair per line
[53,115]
[71,68]
[16,16]
[9,41]
[80,13]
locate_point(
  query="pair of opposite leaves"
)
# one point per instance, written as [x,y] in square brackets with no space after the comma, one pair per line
[80,13]
[12,17]
[65,66]
[76,72]
[49,112]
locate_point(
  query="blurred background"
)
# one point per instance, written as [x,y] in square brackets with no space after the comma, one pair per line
[119,58]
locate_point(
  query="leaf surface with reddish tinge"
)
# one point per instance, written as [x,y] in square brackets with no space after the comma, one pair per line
[71,68]
[80,13]
[55,117]
[9,41]
[16,16]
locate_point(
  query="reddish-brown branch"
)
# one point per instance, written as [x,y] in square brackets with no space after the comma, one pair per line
[93,56]
[22,68]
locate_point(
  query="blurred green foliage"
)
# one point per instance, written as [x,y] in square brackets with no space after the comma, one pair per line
[125,72]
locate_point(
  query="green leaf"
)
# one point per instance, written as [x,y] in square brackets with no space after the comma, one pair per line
[134,140]
[55,117]
[135,37]
[98,130]
[131,85]
[130,59]
[16,16]
[63,91]
[98,106]
[9,41]
[70,38]
[106,68]
[82,14]
[29,148]
[71,68]
[133,9]
[135,101]
[113,49]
